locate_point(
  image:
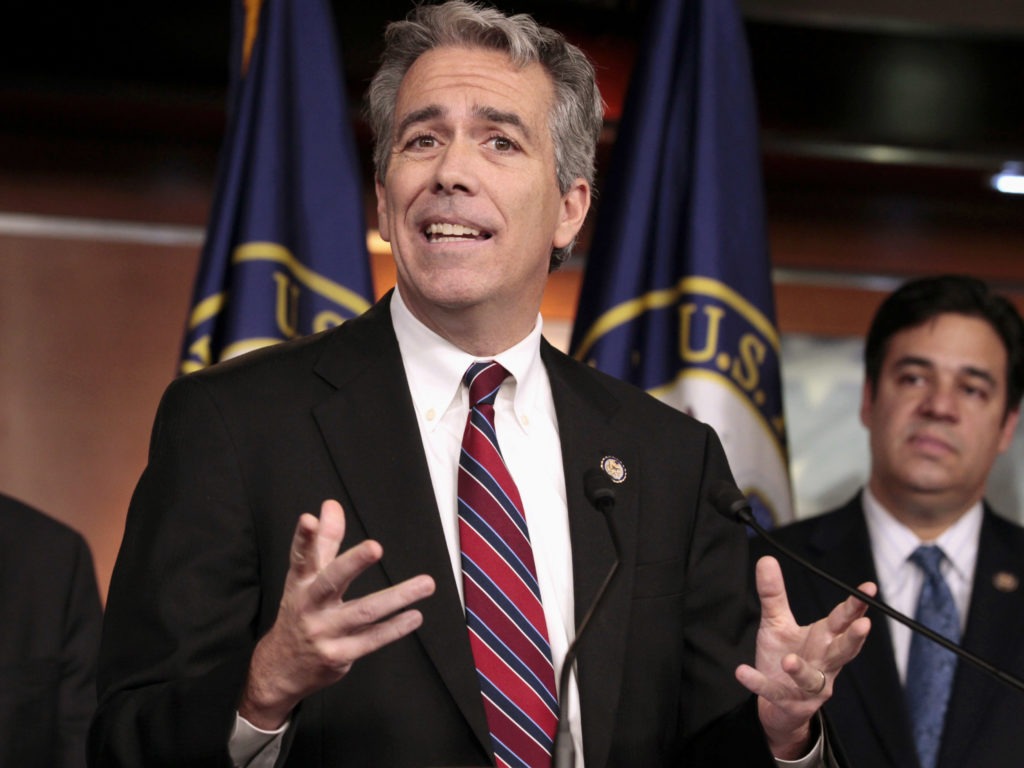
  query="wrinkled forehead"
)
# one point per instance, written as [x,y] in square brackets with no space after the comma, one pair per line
[474,80]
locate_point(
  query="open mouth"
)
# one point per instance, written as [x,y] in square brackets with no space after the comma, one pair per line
[447,232]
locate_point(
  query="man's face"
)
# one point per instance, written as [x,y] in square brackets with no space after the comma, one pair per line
[937,419]
[470,202]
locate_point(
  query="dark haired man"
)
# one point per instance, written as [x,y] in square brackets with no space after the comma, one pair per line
[944,362]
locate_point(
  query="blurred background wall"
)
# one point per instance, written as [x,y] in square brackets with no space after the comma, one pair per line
[883,122]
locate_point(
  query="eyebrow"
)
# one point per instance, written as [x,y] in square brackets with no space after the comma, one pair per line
[906,360]
[431,112]
[969,370]
[980,373]
[490,114]
[494,115]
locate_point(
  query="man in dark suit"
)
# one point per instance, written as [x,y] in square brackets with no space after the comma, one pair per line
[944,376]
[50,617]
[232,630]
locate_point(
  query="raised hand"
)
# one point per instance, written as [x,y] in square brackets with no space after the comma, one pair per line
[318,635]
[796,665]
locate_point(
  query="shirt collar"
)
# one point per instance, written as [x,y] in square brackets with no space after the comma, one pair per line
[434,367]
[894,542]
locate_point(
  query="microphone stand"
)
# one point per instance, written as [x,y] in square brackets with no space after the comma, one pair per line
[734,505]
[602,497]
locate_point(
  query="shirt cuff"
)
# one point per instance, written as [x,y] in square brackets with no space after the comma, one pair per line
[813,759]
[252,747]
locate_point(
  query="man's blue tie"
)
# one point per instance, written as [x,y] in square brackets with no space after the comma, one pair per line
[931,667]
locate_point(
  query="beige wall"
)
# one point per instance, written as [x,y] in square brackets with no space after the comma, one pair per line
[89,332]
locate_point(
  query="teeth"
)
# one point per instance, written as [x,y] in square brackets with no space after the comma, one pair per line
[447,229]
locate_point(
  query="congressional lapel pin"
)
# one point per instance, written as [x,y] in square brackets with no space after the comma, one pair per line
[614,468]
[1005,581]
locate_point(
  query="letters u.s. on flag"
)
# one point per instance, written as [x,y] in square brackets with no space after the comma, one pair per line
[677,296]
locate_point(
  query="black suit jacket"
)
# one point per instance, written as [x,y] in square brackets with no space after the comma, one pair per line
[239,451]
[984,719]
[49,635]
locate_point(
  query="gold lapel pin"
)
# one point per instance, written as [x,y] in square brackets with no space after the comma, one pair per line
[1005,581]
[614,468]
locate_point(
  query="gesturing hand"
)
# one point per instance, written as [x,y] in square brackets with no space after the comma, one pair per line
[318,635]
[795,665]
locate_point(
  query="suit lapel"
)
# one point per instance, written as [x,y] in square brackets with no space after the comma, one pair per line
[996,593]
[584,411]
[379,457]
[872,677]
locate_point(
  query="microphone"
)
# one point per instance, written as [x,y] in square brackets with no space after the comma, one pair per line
[600,492]
[730,502]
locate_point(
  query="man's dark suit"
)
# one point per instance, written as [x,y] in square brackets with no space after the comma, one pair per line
[49,635]
[984,720]
[240,450]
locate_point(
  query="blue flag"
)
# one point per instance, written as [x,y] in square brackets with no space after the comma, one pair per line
[285,252]
[677,294]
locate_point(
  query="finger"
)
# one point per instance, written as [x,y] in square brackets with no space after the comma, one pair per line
[804,677]
[364,613]
[808,678]
[335,577]
[757,682]
[373,637]
[303,557]
[848,644]
[851,609]
[331,531]
[771,590]
[371,622]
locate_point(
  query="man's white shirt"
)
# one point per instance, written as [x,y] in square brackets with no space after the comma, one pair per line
[900,581]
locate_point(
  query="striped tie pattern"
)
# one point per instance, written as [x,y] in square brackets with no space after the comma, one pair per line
[507,630]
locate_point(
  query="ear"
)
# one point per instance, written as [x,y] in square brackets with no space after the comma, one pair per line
[382,212]
[1009,429]
[575,204]
[867,399]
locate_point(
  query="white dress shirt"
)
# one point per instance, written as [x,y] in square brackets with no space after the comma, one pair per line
[900,580]
[527,429]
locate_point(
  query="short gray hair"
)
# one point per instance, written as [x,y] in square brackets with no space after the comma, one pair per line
[576,116]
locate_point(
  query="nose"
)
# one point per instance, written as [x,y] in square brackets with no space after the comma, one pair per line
[454,172]
[940,402]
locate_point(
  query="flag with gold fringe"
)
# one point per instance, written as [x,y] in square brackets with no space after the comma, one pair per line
[285,251]
[677,295]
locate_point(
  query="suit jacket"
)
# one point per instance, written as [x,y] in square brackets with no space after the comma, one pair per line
[867,709]
[50,618]
[240,450]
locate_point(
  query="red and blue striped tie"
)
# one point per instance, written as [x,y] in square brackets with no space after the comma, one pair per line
[507,630]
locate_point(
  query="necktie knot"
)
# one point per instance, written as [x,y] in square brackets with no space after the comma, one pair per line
[935,606]
[484,380]
[928,558]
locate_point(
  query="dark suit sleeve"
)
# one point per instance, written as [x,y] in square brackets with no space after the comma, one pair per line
[50,613]
[181,613]
[81,640]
